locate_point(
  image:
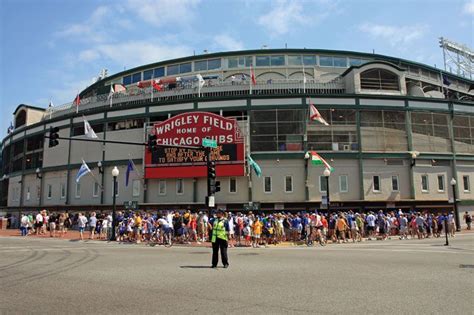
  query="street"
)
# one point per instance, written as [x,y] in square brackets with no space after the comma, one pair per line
[393,276]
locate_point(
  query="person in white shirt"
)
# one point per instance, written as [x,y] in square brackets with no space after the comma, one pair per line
[24,223]
[39,223]
[81,223]
[370,224]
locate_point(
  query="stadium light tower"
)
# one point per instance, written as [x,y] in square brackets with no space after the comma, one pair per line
[458,58]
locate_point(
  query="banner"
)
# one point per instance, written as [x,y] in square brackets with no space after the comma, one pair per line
[173,158]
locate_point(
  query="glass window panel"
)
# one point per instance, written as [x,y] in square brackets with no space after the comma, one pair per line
[323,187]
[395,183]
[232,62]
[355,62]
[343,183]
[148,75]
[340,62]
[159,72]
[185,67]
[440,182]
[162,187]
[262,61]
[200,65]
[325,61]
[309,60]
[376,183]
[466,183]
[214,64]
[179,186]
[172,70]
[264,143]
[127,80]
[136,188]
[294,60]
[288,184]
[136,77]
[424,182]
[277,60]
[267,184]
[232,185]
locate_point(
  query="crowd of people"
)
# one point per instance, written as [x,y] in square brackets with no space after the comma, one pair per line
[245,229]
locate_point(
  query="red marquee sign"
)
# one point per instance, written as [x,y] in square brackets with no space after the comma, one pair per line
[174,158]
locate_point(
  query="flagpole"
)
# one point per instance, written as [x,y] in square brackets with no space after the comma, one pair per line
[152,88]
[304,79]
[77,103]
[250,81]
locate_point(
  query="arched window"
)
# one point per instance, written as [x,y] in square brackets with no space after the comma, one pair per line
[20,118]
[379,79]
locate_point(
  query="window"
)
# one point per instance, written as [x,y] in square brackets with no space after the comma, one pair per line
[214,64]
[159,72]
[288,184]
[136,77]
[262,61]
[379,79]
[323,181]
[309,60]
[20,118]
[383,130]
[395,186]
[232,185]
[125,124]
[440,182]
[277,60]
[127,80]
[466,183]
[50,191]
[294,60]
[239,62]
[431,132]
[200,65]
[343,187]
[376,183]
[185,67]
[95,189]
[179,186]
[136,188]
[267,184]
[172,70]
[162,187]
[28,194]
[325,61]
[78,190]
[148,74]
[340,62]
[424,183]
[63,191]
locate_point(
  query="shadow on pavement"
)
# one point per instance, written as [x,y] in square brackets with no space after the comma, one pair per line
[195,267]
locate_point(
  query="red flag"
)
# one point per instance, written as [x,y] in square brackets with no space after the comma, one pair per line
[77,100]
[156,86]
[315,115]
[252,75]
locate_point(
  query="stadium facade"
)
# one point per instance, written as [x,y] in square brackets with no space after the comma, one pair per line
[398,132]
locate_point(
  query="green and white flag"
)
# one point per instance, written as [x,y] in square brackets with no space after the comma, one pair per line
[316,159]
[255,166]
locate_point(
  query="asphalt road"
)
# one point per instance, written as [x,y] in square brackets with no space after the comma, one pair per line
[383,277]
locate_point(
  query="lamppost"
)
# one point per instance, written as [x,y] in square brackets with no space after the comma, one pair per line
[38,173]
[327,173]
[456,214]
[115,174]
[40,177]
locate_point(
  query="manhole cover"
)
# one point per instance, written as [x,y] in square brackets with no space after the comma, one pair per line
[248,254]
[466,266]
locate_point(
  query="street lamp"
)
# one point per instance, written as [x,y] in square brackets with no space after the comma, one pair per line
[327,173]
[115,174]
[101,169]
[456,214]
[38,173]
[414,155]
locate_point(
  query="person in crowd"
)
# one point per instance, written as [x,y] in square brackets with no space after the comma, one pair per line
[81,224]
[468,219]
[24,223]
[92,225]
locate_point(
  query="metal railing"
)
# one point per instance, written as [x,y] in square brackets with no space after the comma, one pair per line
[191,90]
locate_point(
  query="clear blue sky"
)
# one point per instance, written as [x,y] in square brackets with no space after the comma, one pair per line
[52,48]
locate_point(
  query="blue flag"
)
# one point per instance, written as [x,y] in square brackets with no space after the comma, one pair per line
[255,166]
[127,173]
[82,171]
[11,128]
[446,81]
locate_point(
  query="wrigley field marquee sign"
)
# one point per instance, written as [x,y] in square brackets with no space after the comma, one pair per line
[173,159]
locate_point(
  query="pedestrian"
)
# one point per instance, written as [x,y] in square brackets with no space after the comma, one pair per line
[39,223]
[468,220]
[92,225]
[220,231]
[24,224]
[81,223]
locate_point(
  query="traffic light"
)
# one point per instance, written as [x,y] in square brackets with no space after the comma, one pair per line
[211,170]
[217,186]
[53,136]
[152,142]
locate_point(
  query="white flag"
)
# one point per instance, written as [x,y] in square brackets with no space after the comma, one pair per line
[201,80]
[88,131]
[82,171]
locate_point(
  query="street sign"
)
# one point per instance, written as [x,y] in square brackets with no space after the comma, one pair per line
[130,205]
[211,202]
[209,143]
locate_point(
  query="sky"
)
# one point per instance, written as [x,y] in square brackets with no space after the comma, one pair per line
[50,49]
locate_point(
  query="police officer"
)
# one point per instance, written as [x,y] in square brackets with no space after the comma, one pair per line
[220,235]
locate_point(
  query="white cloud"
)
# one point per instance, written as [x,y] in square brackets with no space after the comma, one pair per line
[226,42]
[394,35]
[88,55]
[285,15]
[162,12]
[134,53]
[469,8]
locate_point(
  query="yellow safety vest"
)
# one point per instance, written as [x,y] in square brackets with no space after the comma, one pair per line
[218,231]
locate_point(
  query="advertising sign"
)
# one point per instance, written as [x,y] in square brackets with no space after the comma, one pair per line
[180,153]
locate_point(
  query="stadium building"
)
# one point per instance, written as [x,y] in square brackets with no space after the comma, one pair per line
[399,134]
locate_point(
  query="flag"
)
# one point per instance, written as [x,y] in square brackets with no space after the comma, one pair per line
[201,80]
[50,103]
[156,86]
[252,76]
[76,102]
[446,81]
[82,171]
[11,128]
[315,115]
[119,88]
[130,168]
[471,87]
[255,166]
[111,94]
[88,131]
[316,159]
